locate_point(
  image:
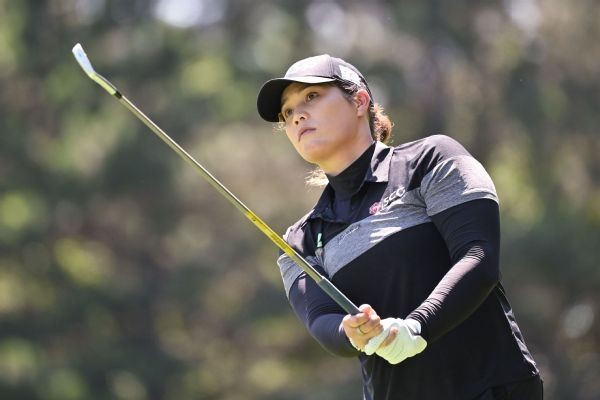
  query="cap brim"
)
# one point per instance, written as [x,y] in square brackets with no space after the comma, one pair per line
[269,96]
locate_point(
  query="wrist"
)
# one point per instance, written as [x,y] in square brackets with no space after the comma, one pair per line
[414,326]
[354,345]
[342,332]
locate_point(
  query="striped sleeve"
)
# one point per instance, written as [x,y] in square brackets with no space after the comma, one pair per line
[455,179]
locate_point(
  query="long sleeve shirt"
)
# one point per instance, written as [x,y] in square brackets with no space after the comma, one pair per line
[414,232]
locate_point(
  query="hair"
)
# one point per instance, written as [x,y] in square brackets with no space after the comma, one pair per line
[379,124]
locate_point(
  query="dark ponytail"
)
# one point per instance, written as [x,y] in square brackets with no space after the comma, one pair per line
[380,123]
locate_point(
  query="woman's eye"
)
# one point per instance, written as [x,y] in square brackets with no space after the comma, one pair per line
[311,96]
[286,113]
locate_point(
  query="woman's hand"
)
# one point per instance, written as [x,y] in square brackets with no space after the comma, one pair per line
[408,342]
[361,327]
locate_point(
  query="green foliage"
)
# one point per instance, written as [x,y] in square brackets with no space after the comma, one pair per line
[124,276]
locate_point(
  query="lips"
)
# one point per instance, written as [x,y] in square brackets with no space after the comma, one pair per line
[303,131]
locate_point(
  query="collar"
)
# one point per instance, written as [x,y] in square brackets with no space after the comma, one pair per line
[378,171]
[348,182]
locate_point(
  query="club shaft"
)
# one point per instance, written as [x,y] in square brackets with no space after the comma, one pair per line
[323,282]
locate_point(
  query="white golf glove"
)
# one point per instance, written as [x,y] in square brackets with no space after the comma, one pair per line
[406,344]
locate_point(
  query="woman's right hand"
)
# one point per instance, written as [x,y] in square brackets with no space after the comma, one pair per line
[361,327]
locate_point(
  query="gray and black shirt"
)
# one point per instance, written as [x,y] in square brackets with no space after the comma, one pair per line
[414,232]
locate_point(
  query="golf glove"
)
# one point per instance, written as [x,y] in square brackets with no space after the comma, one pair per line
[407,343]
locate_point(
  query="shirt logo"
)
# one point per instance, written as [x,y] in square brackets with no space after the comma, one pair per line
[396,194]
[344,235]
[374,208]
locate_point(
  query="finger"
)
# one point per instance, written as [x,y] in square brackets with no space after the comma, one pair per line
[367,309]
[368,319]
[372,327]
[374,343]
[354,321]
[390,338]
[363,329]
[354,331]
[360,331]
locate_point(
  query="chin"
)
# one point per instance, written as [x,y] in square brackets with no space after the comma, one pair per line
[314,152]
[313,157]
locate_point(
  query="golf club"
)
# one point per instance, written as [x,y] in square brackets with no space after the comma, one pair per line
[322,281]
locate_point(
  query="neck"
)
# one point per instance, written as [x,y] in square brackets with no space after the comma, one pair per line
[346,156]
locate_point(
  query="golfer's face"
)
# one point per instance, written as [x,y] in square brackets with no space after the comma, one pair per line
[319,121]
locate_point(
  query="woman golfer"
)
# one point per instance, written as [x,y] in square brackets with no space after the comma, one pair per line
[411,233]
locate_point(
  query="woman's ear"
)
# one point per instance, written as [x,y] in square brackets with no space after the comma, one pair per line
[362,101]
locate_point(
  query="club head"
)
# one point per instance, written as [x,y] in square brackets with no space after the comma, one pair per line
[86,65]
[83,60]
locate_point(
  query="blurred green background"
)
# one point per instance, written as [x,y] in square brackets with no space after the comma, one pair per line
[123,275]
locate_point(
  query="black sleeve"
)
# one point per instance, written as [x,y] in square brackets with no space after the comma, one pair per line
[321,316]
[471,231]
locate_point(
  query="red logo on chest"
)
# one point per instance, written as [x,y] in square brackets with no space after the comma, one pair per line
[374,208]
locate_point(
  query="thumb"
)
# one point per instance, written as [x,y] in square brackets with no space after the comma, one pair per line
[367,309]
[374,343]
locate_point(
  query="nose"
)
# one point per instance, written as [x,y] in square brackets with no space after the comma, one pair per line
[299,115]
